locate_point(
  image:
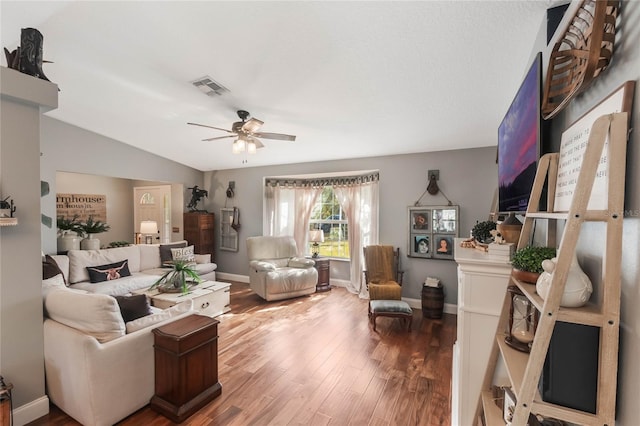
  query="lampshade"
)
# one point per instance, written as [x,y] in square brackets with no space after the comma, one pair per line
[148,227]
[316,236]
[251,147]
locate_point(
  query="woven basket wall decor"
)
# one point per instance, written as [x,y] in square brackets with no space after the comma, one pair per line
[585,50]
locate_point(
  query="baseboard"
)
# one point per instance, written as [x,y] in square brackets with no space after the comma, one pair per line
[31,411]
[232,277]
[448,308]
[414,303]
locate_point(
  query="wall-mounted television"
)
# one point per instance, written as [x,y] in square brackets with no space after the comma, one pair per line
[519,142]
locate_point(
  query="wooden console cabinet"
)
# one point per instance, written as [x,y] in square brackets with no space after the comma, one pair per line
[199,230]
[186,366]
[322,266]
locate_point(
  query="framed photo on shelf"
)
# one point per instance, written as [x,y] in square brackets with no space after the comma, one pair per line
[430,226]
[421,245]
[443,246]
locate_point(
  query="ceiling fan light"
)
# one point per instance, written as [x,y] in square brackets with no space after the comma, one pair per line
[251,147]
[238,146]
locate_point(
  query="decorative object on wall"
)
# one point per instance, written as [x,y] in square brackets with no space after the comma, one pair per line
[82,205]
[432,188]
[584,51]
[44,219]
[573,145]
[229,234]
[149,228]
[196,195]
[315,237]
[7,209]
[432,230]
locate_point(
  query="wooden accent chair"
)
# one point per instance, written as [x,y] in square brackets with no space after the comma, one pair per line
[382,275]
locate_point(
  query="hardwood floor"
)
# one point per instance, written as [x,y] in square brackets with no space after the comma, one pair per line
[316,360]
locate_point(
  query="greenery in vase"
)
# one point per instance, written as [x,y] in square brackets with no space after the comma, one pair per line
[66,225]
[113,244]
[94,226]
[482,231]
[530,258]
[177,278]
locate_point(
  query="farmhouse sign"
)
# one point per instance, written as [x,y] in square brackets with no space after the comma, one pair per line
[83,205]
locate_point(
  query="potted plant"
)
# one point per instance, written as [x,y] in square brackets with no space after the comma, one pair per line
[178,279]
[90,228]
[527,262]
[69,234]
[482,231]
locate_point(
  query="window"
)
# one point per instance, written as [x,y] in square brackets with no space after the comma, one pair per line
[328,216]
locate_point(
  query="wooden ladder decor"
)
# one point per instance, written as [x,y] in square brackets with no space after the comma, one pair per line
[524,370]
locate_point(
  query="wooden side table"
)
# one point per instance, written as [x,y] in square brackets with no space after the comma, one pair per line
[186,366]
[322,266]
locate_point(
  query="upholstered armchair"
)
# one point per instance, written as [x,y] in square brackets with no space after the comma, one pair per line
[382,275]
[276,271]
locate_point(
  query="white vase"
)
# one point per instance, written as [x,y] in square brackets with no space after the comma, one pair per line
[68,241]
[577,289]
[90,243]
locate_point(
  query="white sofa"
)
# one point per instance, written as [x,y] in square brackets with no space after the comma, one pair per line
[144,263]
[98,368]
[276,271]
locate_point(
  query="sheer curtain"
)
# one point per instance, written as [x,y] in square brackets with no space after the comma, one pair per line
[360,204]
[288,211]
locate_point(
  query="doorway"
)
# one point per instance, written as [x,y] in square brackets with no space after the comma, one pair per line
[153,203]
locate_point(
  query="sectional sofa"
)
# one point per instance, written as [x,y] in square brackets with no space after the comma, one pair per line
[99,368]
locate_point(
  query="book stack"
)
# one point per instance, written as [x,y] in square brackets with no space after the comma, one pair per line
[501,251]
[431,282]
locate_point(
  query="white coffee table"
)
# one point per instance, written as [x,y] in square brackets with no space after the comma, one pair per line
[211,298]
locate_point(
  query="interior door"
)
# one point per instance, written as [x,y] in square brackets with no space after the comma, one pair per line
[153,203]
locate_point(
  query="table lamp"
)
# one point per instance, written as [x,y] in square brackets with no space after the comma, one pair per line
[316,236]
[148,228]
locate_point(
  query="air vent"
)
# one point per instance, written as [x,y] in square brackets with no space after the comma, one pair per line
[209,87]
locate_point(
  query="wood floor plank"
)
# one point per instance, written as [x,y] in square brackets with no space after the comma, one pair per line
[316,360]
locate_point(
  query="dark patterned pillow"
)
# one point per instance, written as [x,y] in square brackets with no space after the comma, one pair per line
[50,269]
[165,251]
[112,271]
[133,307]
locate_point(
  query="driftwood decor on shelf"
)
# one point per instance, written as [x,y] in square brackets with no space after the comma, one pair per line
[585,50]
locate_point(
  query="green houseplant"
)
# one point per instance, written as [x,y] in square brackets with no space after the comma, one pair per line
[91,227]
[527,262]
[178,279]
[481,231]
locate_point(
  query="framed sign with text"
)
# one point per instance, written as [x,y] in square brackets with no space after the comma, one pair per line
[82,205]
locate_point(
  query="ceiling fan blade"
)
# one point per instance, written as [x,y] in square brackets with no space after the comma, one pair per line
[210,127]
[252,125]
[277,136]
[219,137]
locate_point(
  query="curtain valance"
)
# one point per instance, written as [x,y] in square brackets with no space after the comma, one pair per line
[319,182]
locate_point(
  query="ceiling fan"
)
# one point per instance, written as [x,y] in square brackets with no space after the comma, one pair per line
[246,133]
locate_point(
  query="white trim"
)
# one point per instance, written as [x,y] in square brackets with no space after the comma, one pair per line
[417,304]
[232,277]
[31,411]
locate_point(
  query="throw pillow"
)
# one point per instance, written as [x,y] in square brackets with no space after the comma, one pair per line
[111,271]
[50,269]
[133,307]
[165,251]
[159,317]
[185,254]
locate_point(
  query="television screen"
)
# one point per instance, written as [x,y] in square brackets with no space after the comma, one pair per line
[519,142]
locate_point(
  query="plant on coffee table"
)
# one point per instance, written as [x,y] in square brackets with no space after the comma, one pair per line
[178,279]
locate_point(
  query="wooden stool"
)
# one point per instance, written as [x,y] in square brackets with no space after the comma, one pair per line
[390,308]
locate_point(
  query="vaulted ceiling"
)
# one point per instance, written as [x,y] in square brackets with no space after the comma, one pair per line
[349,79]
